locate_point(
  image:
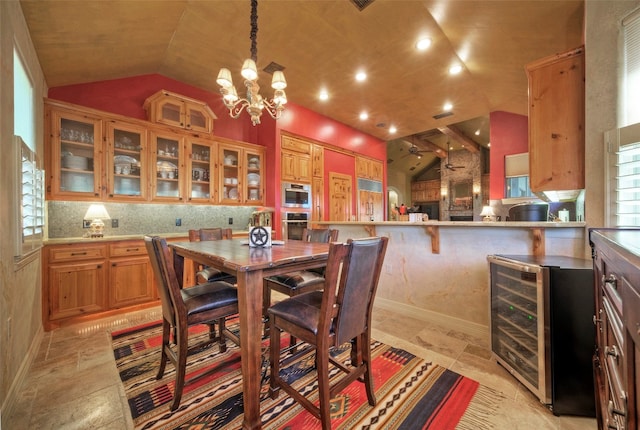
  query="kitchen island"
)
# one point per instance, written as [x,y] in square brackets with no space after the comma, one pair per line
[438,271]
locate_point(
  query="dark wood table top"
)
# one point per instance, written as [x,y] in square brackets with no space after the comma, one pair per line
[236,255]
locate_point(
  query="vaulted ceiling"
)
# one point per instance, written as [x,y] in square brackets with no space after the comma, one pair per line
[320,44]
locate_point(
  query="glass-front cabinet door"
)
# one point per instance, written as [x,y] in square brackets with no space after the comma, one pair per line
[229,158]
[127,161]
[201,157]
[75,165]
[253,180]
[167,161]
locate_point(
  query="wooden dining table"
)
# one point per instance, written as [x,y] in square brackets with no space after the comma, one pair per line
[250,266]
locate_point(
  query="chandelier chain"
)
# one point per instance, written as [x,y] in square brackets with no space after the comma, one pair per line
[254,30]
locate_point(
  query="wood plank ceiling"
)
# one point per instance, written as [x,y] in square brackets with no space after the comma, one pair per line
[321,44]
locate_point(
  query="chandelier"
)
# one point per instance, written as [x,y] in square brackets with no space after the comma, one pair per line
[254,103]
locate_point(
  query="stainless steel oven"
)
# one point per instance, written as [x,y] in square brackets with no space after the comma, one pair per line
[296,195]
[293,223]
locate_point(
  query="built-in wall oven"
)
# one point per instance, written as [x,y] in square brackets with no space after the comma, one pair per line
[541,327]
[296,195]
[293,223]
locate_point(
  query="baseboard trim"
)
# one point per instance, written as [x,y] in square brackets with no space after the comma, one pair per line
[16,384]
[468,327]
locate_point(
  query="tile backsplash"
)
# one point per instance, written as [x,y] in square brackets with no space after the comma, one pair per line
[64,218]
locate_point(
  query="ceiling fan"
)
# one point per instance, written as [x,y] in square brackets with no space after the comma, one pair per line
[449,165]
[414,150]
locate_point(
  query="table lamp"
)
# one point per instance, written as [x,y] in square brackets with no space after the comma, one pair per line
[487,213]
[96,213]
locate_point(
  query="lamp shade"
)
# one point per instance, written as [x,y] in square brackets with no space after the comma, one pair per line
[249,70]
[278,82]
[97,211]
[487,211]
[224,78]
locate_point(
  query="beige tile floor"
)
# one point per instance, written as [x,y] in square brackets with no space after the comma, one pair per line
[73,383]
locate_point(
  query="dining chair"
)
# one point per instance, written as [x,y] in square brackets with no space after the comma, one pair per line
[300,281]
[208,304]
[330,318]
[209,274]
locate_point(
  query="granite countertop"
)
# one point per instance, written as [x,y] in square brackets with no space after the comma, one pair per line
[185,235]
[510,224]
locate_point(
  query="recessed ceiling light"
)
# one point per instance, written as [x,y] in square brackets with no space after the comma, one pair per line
[324,95]
[489,144]
[361,76]
[447,107]
[392,129]
[478,132]
[423,44]
[364,115]
[454,70]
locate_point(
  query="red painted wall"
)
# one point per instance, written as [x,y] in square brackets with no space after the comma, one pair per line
[126,97]
[509,134]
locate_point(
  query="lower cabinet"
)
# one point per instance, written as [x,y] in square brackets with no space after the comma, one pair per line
[84,280]
[130,275]
[617,356]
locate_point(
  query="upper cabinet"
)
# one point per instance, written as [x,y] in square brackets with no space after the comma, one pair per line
[369,169]
[295,160]
[241,174]
[556,122]
[126,161]
[75,158]
[167,166]
[201,159]
[173,109]
[94,155]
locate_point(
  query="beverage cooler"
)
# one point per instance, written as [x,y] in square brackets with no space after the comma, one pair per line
[541,327]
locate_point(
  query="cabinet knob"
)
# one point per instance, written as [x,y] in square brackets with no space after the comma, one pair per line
[612,351]
[613,411]
[611,279]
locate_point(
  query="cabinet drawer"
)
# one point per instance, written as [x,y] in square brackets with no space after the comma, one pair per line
[75,253]
[296,145]
[123,249]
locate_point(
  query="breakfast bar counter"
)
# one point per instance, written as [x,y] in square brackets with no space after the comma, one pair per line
[438,270]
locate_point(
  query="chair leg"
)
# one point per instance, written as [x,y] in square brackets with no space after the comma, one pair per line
[274,359]
[223,340]
[182,344]
[266,302]
[324,389]
[166,334]
[365,354]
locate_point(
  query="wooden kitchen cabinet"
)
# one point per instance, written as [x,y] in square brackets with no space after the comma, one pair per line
[90,280]
[130,274]
[200,172]
[241,170]
[425,191]
[367,168]
[74,157]
[317,161]
[126,161]
[295,160]
[167,166]
[617,354]
[317,197]
[97,156]
[75,280]
[370,206]
[556,122]
[165,107]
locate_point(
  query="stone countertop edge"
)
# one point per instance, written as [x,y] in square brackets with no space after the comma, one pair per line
[510,224]
[65,240]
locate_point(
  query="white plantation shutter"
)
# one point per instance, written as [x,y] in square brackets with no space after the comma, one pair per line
[622,145]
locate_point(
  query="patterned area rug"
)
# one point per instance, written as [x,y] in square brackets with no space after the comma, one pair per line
[411,393]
